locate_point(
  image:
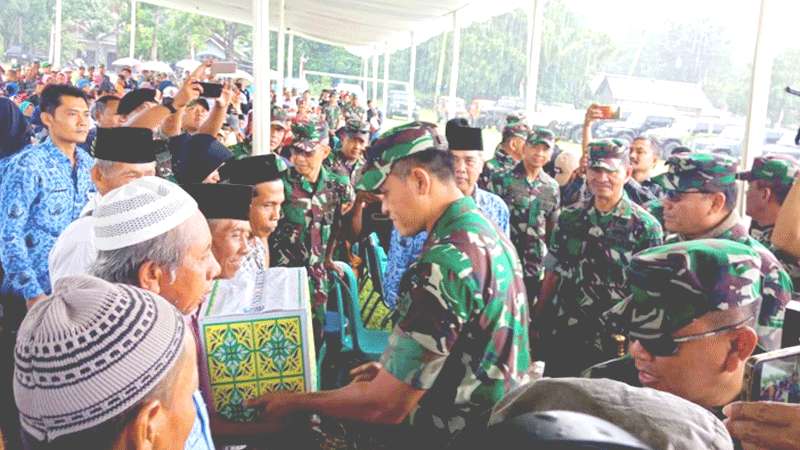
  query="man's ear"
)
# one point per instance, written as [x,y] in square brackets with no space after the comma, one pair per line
[326,150]
[97,175]
[420,180]
[150,276]
[717,201]
[47,119]
[142,431]
[742,346]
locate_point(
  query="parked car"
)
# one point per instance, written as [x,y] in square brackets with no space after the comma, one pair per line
[450,107]
[635,125]
[398,105]
[483,113]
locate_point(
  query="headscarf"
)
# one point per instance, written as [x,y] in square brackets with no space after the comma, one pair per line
[14,132]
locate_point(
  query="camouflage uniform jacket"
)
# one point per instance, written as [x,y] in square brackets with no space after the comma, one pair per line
[589,252]
[501,162]
[463,329]
[776,283]
[790,263]
[332,114]
[337,164]
[304,229]
[353,112]
[578,191]
[531,204]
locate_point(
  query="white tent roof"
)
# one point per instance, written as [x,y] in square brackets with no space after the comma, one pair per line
[364,27]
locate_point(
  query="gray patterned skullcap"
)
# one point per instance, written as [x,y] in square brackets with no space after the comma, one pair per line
[139,211]
[89,352]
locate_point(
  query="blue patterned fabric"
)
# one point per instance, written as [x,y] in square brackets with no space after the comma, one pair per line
[404,250]
[40,194]
[200,436]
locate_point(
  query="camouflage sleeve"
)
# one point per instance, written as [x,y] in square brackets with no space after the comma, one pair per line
[438,304]
[776,293]
[653,234]
[552,215]
[556,246]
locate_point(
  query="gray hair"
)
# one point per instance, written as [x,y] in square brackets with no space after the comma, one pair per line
[122,265]
[104,166]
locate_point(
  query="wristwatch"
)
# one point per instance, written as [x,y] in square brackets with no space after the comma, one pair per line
[170,107]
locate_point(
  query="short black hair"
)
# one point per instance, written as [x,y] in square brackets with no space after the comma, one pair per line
[51,96]
[101,103]
[437,162]
[731,194]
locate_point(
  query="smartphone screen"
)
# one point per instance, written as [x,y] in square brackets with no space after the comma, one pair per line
[780,380]
[211,90]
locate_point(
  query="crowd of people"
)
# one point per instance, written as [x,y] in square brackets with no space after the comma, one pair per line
[122,203]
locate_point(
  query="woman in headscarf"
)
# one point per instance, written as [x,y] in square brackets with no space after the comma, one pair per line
[14,131]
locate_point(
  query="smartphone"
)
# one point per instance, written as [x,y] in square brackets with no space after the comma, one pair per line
[219,67]
[211,90]
[773,376]
[610,112]
[791,325]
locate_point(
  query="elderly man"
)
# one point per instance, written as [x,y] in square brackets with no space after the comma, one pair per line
[533,198]
[315,200]
[508,152]
[112,356]
[768,184]
[466,146]
[121,156]
[151,234]
[264,173]
[462,339]
[590,247]
[700,203]
[689,320]
[226,207]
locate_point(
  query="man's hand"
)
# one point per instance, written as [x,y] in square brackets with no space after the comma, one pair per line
[593,113]
[32,301]
[189,91]
[330,265]
[275,410]
[366,372]
[225,97]
[770,425]
[364,198]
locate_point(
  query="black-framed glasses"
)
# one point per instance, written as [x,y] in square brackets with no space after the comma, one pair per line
[667,345]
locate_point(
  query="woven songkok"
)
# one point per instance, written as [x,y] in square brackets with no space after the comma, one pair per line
[89,352]
[139,211]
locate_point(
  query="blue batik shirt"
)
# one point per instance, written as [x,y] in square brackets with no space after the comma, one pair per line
[404,250]
[40,194]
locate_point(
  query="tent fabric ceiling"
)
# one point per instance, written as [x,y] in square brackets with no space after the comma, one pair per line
[364,27]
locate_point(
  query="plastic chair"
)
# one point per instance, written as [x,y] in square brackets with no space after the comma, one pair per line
[353,335]
[375,259]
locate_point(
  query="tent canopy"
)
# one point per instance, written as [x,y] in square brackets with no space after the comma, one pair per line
[363,27]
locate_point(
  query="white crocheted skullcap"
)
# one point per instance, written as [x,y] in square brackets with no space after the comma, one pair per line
[139,211]
[91,351]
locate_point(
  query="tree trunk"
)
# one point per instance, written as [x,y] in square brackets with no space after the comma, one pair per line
[231,33]
[154,47]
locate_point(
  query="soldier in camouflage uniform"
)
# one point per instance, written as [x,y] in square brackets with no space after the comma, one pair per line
[330,107]
[689,320]
[508,152]
[353,110]
[315,199]
[700,203]
[533,200]
[590,248]
[769,182]
[348,159]
[462,339]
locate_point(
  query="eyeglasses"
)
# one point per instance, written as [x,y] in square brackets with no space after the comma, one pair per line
[667,345]
[676,196]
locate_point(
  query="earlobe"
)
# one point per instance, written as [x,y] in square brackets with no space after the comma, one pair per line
[142,432]
[421,181]
[742,346]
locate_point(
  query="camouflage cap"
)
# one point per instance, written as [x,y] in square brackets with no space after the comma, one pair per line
[397,143]
[515,126]
[700,172]
[776,169]
[278,117]
[672,285]
[541,136]
[306,136]
[355,128]
[608,154]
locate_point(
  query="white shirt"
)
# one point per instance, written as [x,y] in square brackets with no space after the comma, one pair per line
[74,250]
